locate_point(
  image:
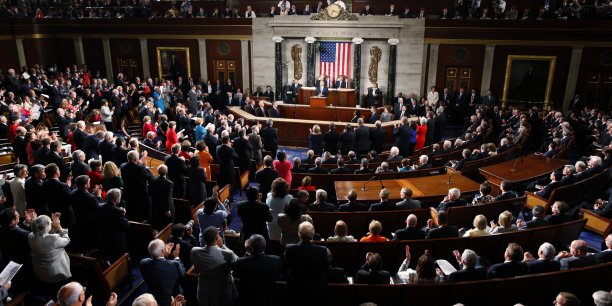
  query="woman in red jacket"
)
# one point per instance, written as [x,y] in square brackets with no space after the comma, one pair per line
[421,134]
[172,136]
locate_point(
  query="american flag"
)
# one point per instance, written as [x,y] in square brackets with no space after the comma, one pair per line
[334,60]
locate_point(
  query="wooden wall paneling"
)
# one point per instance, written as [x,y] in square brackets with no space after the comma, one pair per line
[8,53]
[194,56]
[228,51]
[594,80]
[94,55]
[125,55]
[466,60]
[563,55]
[48,51]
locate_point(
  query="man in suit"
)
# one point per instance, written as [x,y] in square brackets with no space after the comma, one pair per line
[505,191]
[162,275]
[371,272]
[266,176]
[559,213]
[410,232]
[577,257]
[330,138]
[352,204]
[546,260]
[111,225]
[373,95]
[537,220]
[362,138]
[317,169]
[468,272]
[377,137]
[254,215]
[342,169]
[513,264]
[489,100]
[374,116]
[546,191]
[135,180]
[19,146]
[57,195]
[78,136]
[226,156]
[91,145]
[307,266]
[446,98]
[443,230]
[106,147]
[576,105]
[35,198]
[341,82]
[319,204]
[605,255]
[85,204]
[258,273]
[384,204]
[269,136]
[297,168]
[177,170]
[15,246]
[402,136]
[162,206]
[274,112]
[407,202]
[321,89]
[451,200]
[214,262]
[460,106]
[293,91]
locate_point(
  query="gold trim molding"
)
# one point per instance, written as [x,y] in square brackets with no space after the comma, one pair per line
[556,43]
[549,79]
[158,50]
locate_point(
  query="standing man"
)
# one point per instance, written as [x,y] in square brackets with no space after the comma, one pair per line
[135,179]
[373,94]
[213,262]
[162,275]
[269,136]
[226,156]
[162,206]
[362,139]
[111,225]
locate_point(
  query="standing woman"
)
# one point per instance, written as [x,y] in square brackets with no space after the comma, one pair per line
[204,157]
[158,99]
[283,166]
[421,134]
[50,262]
[412,141]
[107,115]
[197,188]
[147,126]
[172,136]
[277,199]
[111,176]
[315,140]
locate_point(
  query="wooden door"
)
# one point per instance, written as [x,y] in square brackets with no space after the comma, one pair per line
[598,91]
[224,70]
[458,77]
[127,66]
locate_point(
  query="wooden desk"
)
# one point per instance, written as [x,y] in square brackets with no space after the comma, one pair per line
[344,97]
[318,101]
[426,189]
[531,167]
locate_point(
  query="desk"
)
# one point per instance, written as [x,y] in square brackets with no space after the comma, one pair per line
[427,189]
[344,97]
[531,167]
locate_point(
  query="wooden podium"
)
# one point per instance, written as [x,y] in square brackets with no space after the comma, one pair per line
[337,97]
[318,101]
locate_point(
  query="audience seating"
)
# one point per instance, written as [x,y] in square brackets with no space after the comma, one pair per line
[140,234]
[463,216]
[440,160]
[597,223]
[572,194]
[350,256]
[470,169]
[90,273]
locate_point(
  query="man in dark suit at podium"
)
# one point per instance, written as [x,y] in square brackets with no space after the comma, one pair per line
[293,91]
[373,94]
[322,89]
[341,82]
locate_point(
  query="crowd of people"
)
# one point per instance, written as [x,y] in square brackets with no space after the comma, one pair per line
[461,9]
[52,205]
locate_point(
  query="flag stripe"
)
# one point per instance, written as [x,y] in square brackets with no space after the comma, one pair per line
[334,60]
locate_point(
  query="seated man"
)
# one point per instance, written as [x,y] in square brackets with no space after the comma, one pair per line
[394,155]
[371,272]
[577,257]
[537,220]
[384,168]
[319,204]
[559,214]
[297,166]
[505,191]
[546,260]
[352,204]
[423,163]
[364,167]
[442,230]
[407,201]
[352,158]
[546,191]
[410,232]
[451,200]
[317,169]
[384,204]
[468,272]
[310,159]
[605,255]
[342,169]
[513,264]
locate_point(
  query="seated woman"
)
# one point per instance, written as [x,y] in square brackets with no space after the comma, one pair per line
[425,272]
[505,224]
[406,166]
[290,220]
[340,233]
[374,234]
[485,195]
[480,227]
[335,275]
[307,184]
[371,272]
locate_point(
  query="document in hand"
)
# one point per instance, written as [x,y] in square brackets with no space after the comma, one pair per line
[445,266]
[9,272]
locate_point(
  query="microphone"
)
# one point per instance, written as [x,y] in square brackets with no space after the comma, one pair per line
[520,157]
[381,184]
[453,171]
[363,188]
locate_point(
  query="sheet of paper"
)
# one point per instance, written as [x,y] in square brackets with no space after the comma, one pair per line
[9,272]
[445,266]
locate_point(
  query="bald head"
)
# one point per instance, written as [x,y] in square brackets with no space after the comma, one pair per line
[579,248]
[306,231]
[71,294]
[411,221]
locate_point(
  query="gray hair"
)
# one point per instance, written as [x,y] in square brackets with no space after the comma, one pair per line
[394,151]
[156,248]
[469,258]
[602,298]
[548,250]
[132,156]
[318,161]
[384,193]
[76,155]
[41,226]
[455,192]
[113,195]
[108,136]
[144,300]
[424,158]
[321,194]
[73,296]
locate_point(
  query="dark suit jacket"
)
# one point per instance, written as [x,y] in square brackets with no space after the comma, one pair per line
[136,196]
[269,138]
[90,147]
[505,196]
[548,189]
[341,170]
[307,266]
[383,206]
[445,205]
[106,149]
[408,204]
[353,206]
[111,226]
[577,262]
[57,196]
[35,197]
[85,205]
[377,137]
[402,136]
[318,170]
[323,91]
[535,222]
[15,245]
[542,266]
[162,278]
[372,277]
[78,136]
[273,113]
[362,139]
[330,139]
[348,141]
[409,233]
[120,155]
[322,207]
[258,275]
[79,168]
[160,190]
[19,146]
[177,169]
[254,217]
[507,269]
[335,275]
[465,275]
[603,256]
[446,231]
[265,177]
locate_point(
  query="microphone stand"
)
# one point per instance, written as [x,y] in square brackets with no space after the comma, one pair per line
[364,184]
[381,184]
[453,171]
[520,157]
